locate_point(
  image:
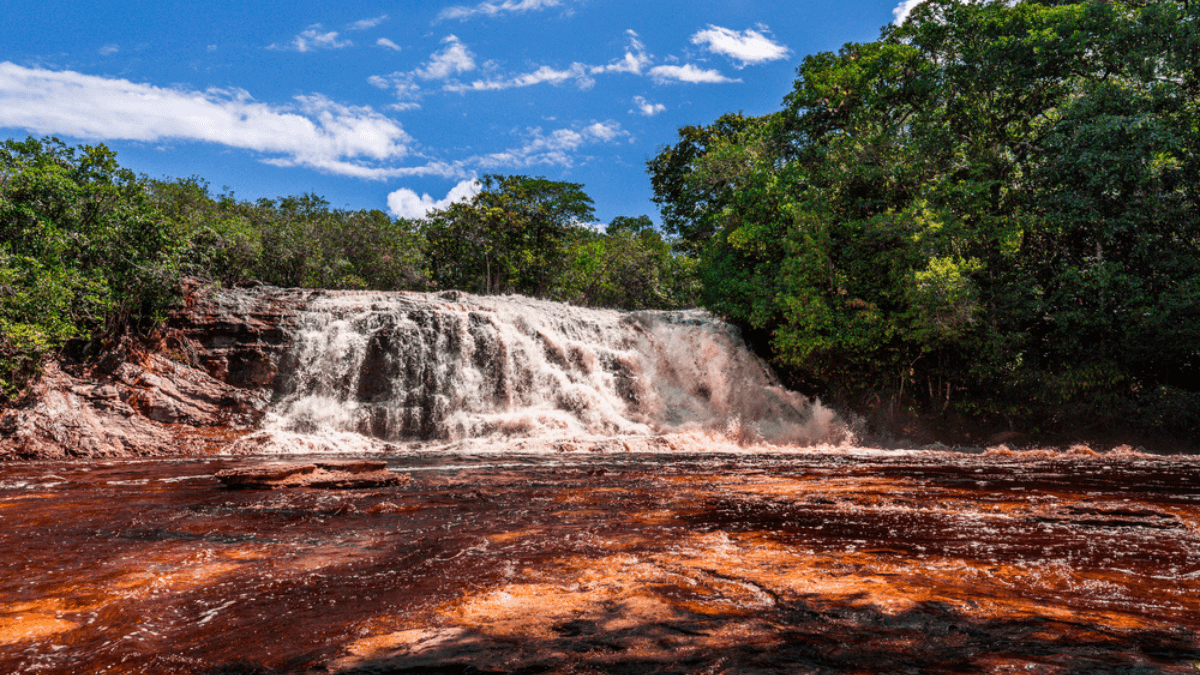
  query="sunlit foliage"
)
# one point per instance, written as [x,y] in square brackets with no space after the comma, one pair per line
[991,210]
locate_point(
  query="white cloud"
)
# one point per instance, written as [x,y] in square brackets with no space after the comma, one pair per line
[634,61]
[554,149]
[491,9]
[314,132]
[687,73]
[903,9]
[313,39]
[109,50]
[384,42]
[644,107]
[364,24]
[405,203]
[454,58]
[543,75]
[748,47]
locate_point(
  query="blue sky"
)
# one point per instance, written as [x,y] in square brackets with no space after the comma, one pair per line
[398,105]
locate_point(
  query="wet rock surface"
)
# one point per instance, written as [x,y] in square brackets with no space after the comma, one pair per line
[810,562]
[325,475]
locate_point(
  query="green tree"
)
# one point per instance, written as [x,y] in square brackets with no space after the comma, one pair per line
[991,209]
[689,194]
[512,237]
[83,252]
[628,266]
[291,241]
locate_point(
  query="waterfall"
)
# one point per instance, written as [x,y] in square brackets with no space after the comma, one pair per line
[365,369]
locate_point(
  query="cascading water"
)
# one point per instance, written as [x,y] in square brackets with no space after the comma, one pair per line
[366,370]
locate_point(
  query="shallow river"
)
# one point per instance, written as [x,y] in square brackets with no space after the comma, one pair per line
[834,562]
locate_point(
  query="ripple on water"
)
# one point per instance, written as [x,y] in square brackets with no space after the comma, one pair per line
[578,562]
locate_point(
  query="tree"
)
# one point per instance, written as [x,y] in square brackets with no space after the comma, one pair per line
[628,266]
[512,237]
[690,198]
[992,209]
[83,252]
[291,241]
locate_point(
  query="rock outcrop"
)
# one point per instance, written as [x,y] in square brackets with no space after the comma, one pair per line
[206,383]
[361,371]
[325,475]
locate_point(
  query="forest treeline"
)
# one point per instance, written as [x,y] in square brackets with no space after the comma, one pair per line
[989,213]
[91,251]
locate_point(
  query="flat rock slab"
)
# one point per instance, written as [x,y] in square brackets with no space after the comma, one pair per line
[327,475]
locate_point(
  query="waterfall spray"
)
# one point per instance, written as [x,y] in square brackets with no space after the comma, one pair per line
[402,368]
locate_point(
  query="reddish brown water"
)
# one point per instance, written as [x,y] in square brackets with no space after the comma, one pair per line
[609,563]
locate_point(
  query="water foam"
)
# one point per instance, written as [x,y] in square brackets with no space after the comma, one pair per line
[368,371]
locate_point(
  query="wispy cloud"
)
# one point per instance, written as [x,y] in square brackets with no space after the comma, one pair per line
[406,203]
[687,73]
[313,39]
[453,59]
[544,75]
[384,42]
[748,47]
[363,24]
[109,50]
[555,148]
[634,62]
[643,107]
[902,10]
[491,9]
[313,132]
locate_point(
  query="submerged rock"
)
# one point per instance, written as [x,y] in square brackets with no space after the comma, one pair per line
[327,475]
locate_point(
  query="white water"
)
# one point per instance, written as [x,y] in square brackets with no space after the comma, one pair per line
[371,371]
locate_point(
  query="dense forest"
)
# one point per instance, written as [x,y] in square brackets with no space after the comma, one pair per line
[90,251]
[989,214]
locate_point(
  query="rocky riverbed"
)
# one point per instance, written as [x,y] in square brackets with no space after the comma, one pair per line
[819,561]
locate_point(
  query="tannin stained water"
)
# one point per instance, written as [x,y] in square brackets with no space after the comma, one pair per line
[591,492]
[809,562]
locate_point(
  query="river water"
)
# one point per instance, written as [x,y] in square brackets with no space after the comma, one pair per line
[818,561]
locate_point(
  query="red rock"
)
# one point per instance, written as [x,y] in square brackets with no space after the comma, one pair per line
[326,475]
[207,384]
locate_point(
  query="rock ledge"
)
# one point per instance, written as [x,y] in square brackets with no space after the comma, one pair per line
[326,475]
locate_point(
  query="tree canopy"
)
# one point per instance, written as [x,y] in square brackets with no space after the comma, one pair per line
[91,251]
[991,210]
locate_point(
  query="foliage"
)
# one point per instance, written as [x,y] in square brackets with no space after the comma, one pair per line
[990,210]
[509,238]
[88,250]
[629,266]
[533,236]
[688,196]
[82,252]
[290,242]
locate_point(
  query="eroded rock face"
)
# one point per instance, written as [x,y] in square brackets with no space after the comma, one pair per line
[152,409]
[345,371]
[209,383]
